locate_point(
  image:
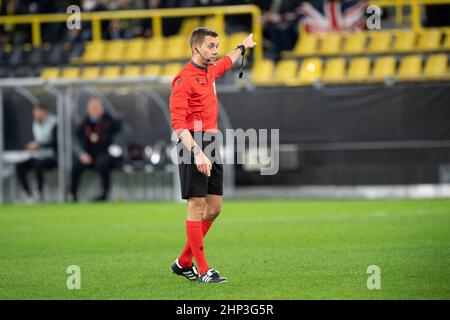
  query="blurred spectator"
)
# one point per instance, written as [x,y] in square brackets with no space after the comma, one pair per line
[124,28]
[42,148]
[13,33]
[280,25]
[86,27]
[93,138]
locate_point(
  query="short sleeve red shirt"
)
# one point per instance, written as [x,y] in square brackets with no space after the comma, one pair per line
[194,97]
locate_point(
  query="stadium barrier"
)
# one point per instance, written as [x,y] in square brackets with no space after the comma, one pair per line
[142,105]
[156,16]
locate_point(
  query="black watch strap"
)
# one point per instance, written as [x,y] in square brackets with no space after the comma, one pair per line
[242,48]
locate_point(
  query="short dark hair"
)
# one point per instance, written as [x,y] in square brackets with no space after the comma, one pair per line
[199,34]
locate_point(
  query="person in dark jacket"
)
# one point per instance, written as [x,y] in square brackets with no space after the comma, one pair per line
[42,149]
[93,138]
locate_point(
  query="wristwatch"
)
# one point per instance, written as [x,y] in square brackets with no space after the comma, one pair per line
[242,48]
[195,149]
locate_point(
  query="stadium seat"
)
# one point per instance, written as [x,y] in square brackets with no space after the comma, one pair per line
[232,41]
[429,40]
[134,50]
[93,52]
[384,68]
[90,73]
[114,51]
[71,73]
[330,43]
[310,71]
[177,48]
[379,41]
[334,70]
[153,50]
[358,70]
[410,68]
[111,72]
[306,45]
[152,70]
[404,41]
[212,23]
[187,25]
[132,71]
[50,73]
[170,71]
[286,71]
[262,72]
[355,43]
[436,67]
[446,43]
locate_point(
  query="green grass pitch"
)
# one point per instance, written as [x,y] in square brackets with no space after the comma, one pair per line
[268,250]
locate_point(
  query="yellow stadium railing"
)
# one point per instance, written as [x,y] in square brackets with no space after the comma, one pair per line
[156,15]
[415,9]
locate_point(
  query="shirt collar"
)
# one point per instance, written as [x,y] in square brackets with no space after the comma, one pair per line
[198,66]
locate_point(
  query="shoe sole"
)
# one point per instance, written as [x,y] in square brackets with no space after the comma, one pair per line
[224,281]
[181,275]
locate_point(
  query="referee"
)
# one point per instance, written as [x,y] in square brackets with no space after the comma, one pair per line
[194,110]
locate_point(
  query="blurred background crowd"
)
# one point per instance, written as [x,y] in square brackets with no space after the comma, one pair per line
[280,19]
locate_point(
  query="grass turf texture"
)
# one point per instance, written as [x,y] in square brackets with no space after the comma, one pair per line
[267,249]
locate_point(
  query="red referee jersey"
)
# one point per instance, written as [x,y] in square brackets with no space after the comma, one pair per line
[194,96]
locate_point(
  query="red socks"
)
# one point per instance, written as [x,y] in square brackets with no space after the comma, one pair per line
[196,231]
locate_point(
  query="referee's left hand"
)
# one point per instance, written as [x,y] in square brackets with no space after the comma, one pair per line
[248,42]
[203,164]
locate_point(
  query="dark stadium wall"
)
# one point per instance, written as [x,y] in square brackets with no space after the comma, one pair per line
[345,114]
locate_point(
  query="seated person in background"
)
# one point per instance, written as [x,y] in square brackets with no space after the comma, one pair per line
[42,149]
[93,138]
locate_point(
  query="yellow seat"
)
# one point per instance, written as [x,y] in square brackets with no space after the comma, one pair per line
[93,52]
[262,72]
[90,73]
[177,48]
[334,70]
[380,41]
[358,70]
[286,71]
[410,68]
[188,25]
[213,23]
[404,41]
[114,51]
[446,43]
[384,68]
[132,71]
[71,73]
[310,71]
[429,40]
[330,43]
[170,71]
[232,41]
[153,50]
[436,67]
[111,72]
[152,70]
[50,73]
[355,43]
[134,50]
[306,45]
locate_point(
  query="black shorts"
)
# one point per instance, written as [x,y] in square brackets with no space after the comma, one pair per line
[193,182]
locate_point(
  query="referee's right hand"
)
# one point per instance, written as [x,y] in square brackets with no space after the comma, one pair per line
[203,164]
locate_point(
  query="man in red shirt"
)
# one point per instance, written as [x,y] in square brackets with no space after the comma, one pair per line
[194,110]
